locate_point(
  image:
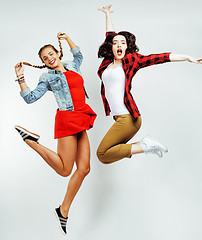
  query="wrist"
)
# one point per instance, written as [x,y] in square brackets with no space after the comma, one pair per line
[21,81]
[20,75]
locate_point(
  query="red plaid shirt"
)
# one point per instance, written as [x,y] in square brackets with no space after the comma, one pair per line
[131,63]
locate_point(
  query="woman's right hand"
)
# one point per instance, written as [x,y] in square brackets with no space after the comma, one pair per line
[106,9]
[19,69]
[62,36]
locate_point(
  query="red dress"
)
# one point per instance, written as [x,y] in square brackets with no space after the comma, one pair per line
[82,118]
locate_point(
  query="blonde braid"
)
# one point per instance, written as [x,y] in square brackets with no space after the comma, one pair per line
[61,52]
[28,64]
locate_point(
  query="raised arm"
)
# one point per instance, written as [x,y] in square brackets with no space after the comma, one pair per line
[109,24]
[64,36]
[152,59]
[178,58]
[75,50]
[28,95]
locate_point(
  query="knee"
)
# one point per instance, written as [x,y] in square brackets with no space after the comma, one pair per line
[100,153]
[100,156]
[84,171]
[65,172]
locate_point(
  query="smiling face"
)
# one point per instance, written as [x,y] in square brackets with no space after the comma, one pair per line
[50,57]
[119,47]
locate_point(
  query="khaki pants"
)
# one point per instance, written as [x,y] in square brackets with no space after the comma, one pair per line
[113,146]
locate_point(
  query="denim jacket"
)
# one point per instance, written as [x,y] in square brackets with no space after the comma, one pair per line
[56,82]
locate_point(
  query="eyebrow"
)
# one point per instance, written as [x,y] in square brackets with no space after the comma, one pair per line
[121,40]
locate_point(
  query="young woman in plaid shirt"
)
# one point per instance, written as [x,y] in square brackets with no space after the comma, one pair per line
[120,64]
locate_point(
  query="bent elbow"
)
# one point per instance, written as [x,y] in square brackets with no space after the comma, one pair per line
[29,100]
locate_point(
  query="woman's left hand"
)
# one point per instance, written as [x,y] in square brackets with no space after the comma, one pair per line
[179,57]
[194,60]
[106,9]
[62,36]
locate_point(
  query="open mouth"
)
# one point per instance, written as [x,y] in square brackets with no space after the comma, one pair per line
[119,52]
[52,62]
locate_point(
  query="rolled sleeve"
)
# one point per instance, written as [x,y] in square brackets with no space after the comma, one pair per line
[78,57]
[108,33]
[75,50]
[25,92]
[153,59]
[32,96]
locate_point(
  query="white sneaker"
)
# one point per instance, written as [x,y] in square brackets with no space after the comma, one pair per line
[150,145]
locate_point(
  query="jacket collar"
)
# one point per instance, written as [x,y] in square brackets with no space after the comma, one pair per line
[56,71]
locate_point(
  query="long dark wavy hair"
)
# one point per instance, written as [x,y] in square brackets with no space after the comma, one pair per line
[105,50]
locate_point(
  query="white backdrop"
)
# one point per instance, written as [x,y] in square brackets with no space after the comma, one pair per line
[139,198]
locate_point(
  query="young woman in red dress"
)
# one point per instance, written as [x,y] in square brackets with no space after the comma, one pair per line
[73,118]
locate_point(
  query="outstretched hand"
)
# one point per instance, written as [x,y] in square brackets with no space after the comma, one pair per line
[106,9]
[19,69]
[195,60]
[62,36]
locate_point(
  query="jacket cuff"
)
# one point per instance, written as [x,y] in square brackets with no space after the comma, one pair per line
[25,92]
[75,50]
[107,33]
[167,57]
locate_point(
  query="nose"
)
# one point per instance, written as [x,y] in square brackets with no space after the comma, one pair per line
[119,44]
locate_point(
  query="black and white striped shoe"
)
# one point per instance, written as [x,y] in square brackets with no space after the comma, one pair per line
[26,134]
[62,220]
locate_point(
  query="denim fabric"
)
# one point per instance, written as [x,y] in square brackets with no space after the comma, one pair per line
[56,82]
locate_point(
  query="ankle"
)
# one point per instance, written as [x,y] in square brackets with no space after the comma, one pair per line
[31,143]
[64,211]
[136,148]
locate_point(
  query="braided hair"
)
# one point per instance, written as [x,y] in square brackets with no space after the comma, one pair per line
[39,53]
[61,52]
[28,64]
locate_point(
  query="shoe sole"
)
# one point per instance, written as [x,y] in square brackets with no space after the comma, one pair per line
[34,135]
[59,222]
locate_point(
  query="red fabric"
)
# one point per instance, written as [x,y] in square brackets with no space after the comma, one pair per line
[82,118]
[131,63]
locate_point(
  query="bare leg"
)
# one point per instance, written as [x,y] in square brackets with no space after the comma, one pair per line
[62,162]
[75,148]
[83,168]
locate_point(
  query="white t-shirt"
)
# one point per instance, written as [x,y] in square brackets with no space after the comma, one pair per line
[114,83]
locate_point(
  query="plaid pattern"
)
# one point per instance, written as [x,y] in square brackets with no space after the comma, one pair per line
[131,63]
